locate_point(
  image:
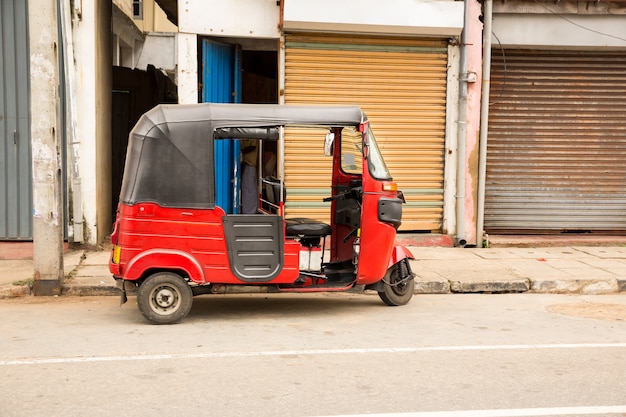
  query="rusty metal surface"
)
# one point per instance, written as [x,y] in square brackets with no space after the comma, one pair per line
[557,141]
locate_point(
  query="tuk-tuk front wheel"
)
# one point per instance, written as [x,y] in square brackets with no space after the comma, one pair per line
[164,298]
[398,285]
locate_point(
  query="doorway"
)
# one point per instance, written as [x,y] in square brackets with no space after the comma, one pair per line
[134,93]
[235,71]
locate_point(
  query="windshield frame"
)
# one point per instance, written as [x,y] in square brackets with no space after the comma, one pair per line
[375,161]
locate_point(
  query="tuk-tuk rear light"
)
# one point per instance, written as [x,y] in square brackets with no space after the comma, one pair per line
[117,254]
[390,186]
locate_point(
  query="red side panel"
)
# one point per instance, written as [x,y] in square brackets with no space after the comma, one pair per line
[377,237]
[377,241]
[191,240]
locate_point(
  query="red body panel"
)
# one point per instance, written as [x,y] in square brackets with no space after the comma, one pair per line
[399,253]
[377,238]
[190,240]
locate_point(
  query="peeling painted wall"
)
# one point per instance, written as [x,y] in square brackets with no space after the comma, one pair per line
[92,54]
[474,67]
[46,149]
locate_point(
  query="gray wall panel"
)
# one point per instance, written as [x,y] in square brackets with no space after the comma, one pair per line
[15,157]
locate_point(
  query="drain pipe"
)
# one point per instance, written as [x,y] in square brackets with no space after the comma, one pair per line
[70,76]
[462,134]
[484,121]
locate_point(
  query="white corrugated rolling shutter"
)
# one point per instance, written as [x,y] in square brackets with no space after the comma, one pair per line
[401,84]
[556,156]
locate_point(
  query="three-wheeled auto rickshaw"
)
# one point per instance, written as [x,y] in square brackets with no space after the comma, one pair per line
[172,241]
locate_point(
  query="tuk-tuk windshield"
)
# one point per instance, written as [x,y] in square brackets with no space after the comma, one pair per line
[352,153]
[377,167]
[351,150]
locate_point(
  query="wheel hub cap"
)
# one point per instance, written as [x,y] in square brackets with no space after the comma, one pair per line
[165,298]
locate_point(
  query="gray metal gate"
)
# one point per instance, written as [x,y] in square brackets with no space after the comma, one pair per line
[15,154]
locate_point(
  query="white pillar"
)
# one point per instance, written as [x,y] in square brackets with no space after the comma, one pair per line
[187,69]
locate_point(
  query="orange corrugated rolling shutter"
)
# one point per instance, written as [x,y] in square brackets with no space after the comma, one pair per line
[401,84]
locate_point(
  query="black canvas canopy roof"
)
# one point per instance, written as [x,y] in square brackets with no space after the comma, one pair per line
[169,159]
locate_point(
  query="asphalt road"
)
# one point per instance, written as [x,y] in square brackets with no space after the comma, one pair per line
[316,355]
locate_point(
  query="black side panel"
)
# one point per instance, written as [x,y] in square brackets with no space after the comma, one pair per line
[255,246]
[390,211]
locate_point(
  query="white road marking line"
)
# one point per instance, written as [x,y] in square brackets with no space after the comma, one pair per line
[83,359]
[515,412]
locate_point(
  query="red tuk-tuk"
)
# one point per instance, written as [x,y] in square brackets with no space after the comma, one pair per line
[173,241]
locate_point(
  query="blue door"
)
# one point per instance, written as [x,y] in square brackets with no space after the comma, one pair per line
[221,83]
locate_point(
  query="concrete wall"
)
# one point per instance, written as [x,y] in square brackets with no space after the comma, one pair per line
[127,40]
[46,147]
[187,70]
[472,127]
[565,24]
[126,6]
[451,142]
[559,31]
[92,58]
[393,17]
[85,117]
[159,49]
[241,18]
[474,92]
[154,19]
[102,108]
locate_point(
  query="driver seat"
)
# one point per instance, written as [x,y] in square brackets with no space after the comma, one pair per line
[308,231]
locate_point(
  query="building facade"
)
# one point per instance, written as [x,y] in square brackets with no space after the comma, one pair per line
[400,62]
[552,139]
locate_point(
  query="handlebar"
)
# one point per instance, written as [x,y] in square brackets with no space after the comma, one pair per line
[353,193]
[334,197]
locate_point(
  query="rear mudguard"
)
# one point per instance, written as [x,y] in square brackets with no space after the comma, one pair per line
[164,259]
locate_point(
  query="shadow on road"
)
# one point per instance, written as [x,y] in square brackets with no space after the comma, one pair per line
[265,306]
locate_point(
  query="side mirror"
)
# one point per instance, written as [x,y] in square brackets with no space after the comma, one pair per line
[328,144]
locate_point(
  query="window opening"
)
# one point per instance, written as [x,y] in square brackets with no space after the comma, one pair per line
[138,9]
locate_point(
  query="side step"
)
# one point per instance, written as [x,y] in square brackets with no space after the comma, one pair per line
[329,286]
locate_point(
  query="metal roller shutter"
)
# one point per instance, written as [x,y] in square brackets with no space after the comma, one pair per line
[16,182]
[401,84]
[557,142]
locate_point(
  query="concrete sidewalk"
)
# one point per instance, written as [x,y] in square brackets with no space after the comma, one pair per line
[440,270]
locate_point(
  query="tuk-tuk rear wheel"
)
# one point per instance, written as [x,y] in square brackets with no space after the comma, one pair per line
[398,286]
[164,298]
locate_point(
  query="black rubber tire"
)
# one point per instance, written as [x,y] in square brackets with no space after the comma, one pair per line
[397,295]
[164,298]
